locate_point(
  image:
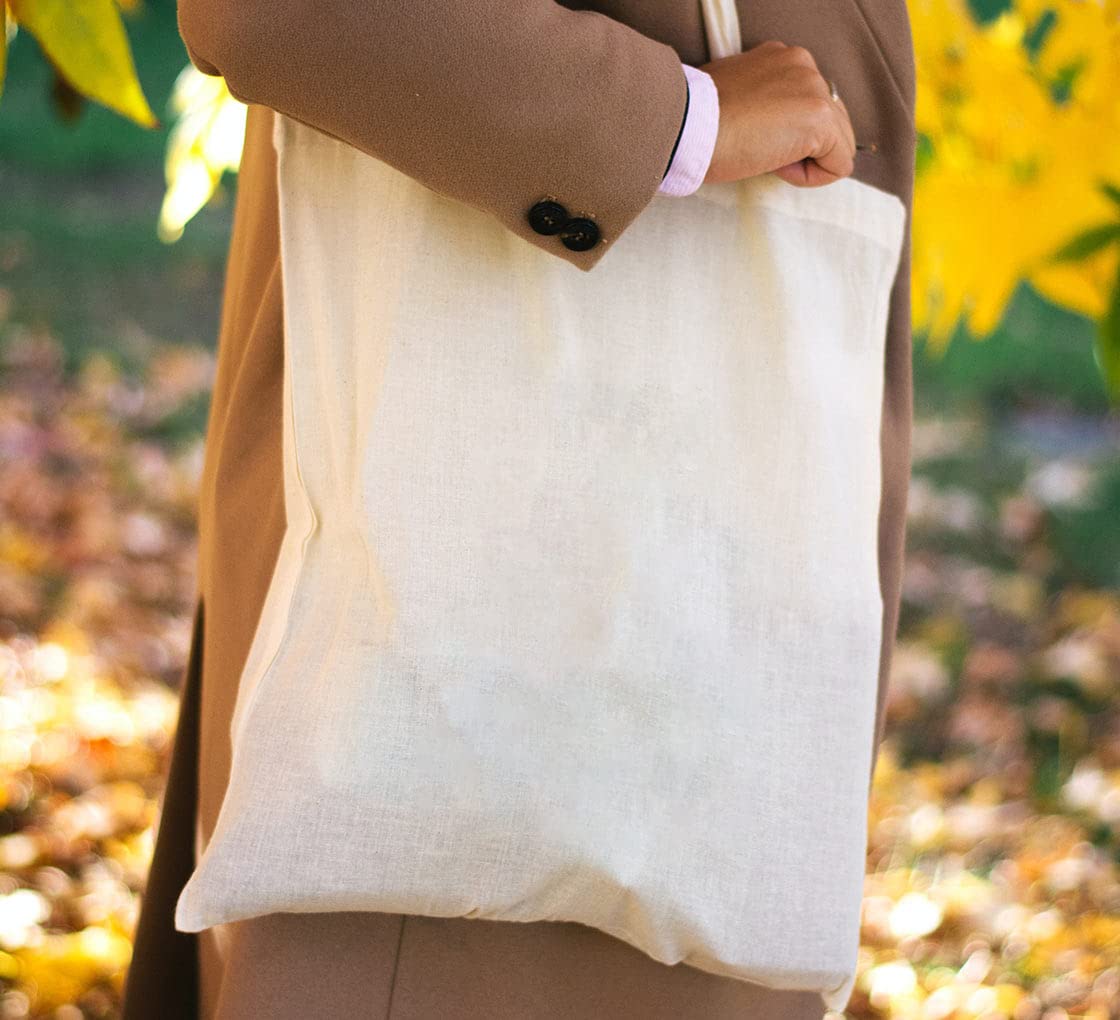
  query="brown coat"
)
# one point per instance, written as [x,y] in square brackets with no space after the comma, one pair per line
[496,104]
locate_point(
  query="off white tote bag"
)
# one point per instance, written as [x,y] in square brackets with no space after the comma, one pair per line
[577,615]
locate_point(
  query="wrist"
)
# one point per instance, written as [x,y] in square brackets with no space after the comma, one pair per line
[696,144]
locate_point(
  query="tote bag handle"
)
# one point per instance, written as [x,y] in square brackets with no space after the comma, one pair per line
[721,24]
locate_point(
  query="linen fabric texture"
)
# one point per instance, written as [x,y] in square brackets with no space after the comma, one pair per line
[577,612]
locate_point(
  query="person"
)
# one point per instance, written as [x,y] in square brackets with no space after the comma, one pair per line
[493,104]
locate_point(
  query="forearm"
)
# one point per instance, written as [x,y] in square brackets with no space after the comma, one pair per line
[585,108]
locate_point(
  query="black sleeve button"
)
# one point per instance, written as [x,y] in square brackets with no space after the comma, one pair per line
[548,217]
[579,234]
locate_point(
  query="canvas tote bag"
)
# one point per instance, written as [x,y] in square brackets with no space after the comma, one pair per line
[577,614]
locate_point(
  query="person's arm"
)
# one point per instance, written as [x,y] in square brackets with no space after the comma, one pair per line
[502,104]
[693,153]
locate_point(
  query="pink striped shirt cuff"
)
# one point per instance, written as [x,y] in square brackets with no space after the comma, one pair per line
[698,137]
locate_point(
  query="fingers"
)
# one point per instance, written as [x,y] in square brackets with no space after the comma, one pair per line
[807,173]
[775,104]
[835,157]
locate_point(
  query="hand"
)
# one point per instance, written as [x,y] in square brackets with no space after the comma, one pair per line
[776,115]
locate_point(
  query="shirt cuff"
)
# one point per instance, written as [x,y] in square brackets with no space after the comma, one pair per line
[697,140]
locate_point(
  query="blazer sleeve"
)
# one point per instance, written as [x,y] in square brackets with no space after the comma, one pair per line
[501,104]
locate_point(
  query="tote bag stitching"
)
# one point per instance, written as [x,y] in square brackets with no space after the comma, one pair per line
[848,203]
[875,326]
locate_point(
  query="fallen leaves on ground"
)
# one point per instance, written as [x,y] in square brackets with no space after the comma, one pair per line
[993,889]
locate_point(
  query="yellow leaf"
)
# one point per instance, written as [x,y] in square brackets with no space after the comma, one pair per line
[204,143]
[86,41]
[3,43]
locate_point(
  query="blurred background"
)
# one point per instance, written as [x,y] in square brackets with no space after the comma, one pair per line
[993,880]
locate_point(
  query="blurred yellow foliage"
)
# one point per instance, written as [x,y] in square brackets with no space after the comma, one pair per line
[3,43]
[205,142]
[60,967]
[1013,171]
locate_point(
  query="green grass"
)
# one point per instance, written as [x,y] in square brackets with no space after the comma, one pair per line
[1035,383]
[1040,355]
[79,254]
[1086,539]
[83,261]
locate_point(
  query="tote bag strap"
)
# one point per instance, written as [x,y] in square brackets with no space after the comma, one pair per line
[721,24]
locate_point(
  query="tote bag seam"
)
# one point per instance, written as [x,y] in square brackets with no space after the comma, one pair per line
[862,213]
[281,134]
[872,214]
[243,715]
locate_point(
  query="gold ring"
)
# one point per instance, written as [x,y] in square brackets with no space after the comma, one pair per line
[832,90]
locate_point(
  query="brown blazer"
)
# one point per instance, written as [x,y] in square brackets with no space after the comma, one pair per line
[496,104]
